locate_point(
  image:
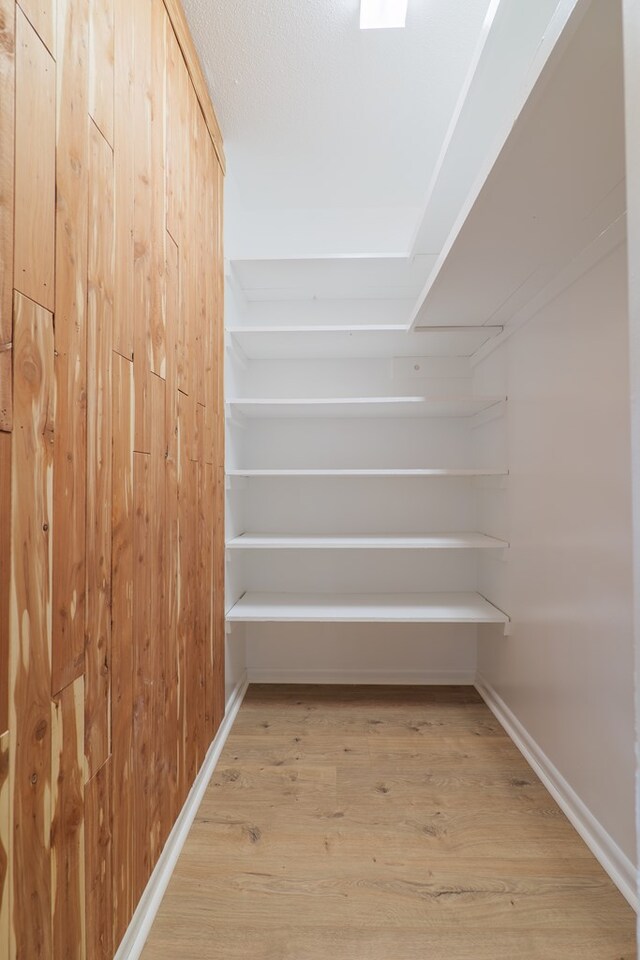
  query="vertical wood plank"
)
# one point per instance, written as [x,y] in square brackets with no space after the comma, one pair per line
[206,533]
[99,903]
[35,166]
[143,677]
[143,219]
[157,662]
[70,345]
[100,282]
[122,667]
[67,823]
[202,598]
[172,529]
[30,629]
[123,133]
[219,259]
[174,145]
[5,575]
[42,16]
[186,623]
[7,120]
[218,691]
[156,348]
[5,840]
[101,65]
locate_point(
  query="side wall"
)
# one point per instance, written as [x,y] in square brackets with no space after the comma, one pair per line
[111,459]
[566,673]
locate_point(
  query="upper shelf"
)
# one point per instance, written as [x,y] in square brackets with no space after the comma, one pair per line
[363,407]
[556,185]
[366,472]
[329,342]
[371,541]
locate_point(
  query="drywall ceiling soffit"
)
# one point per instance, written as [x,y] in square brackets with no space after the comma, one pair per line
[509,243]
[491,97]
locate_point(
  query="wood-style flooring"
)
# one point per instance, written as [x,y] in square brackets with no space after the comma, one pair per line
[383,823]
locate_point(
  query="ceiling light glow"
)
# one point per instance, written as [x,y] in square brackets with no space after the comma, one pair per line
[382,14]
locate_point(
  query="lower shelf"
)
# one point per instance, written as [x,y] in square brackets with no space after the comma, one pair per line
[366,608]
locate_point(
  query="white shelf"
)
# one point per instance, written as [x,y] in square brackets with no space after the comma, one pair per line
[368,472]
[365,608]
[546,198]
[366,341]
[350,407]
[397,541]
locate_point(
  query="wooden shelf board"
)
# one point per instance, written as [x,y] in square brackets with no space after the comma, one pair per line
[366,608]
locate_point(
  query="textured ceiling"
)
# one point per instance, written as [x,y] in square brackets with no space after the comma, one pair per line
[319,114]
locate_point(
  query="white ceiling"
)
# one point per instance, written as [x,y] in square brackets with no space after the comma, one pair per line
[317,114]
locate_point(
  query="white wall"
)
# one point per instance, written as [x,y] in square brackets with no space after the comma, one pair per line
[566,673]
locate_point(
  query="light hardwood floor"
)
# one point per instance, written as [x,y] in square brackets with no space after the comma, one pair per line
[383,823]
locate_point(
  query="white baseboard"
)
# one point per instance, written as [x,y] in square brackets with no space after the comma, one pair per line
[138,930]
[404,677]
[603,847]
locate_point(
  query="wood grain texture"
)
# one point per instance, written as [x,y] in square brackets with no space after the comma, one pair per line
[108,434]
[143,227]
[158,654]
[122,651]
[30,630]
[35,166]
[99,903]
[67,822]
[183,35]
[101,66]
[5,840]
[172,530]
[69,472]
[42,16]
[100,287]
[143,691]
[217,693]
[124,76]
[7,122]
[322,848]
[5,574]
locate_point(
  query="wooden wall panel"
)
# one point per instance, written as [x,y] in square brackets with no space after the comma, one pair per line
[124,177]
[217,687]
[70,344]
[5,839]
[172,528]
[101,65]
[42,16]
[100,281]
[67,822]
[143,718]
[35,166]
[30,627]
[122,658]
[5,572]
[157,663]
[99,803]
[7,120]
[111,453]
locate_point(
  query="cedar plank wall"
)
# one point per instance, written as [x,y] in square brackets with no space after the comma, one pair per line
[111,459]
